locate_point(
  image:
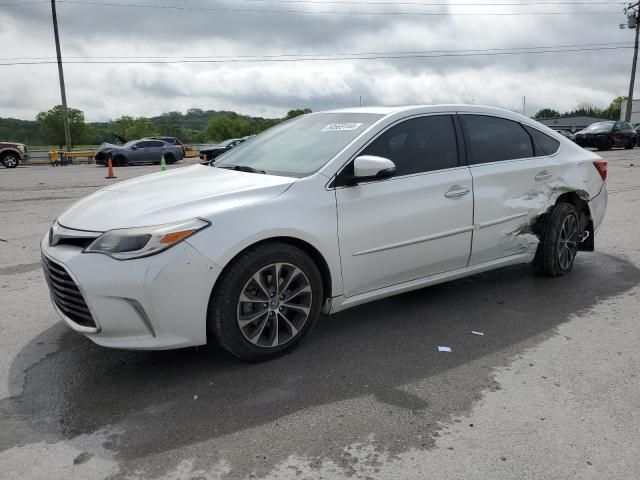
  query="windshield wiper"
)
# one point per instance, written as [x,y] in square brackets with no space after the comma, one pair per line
[243,168]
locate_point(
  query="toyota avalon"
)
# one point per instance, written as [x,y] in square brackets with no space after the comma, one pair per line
[319,214]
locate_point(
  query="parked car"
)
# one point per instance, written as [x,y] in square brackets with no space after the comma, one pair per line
[321,213]
[12,153]
[566,134]
[174,141]
[606,135]
[137,152]
[214,151]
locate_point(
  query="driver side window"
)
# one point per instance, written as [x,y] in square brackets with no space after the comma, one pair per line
[418,145]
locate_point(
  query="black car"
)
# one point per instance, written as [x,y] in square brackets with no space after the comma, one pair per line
[214,150]
[608,134]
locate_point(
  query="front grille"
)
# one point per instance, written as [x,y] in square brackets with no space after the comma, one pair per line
[66,294]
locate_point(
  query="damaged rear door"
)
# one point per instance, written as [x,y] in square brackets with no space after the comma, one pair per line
[513,170]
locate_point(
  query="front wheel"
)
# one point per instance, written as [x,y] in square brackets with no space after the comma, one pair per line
[10,160]
[559,237]
[266,301]
[630,144]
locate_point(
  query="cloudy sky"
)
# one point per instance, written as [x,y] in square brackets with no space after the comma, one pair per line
[233,30]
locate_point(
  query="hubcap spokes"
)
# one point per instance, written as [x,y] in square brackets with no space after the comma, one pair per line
[568,242]
[10,161]
[274,305]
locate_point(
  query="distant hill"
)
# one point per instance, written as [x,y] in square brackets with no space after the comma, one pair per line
[189,127]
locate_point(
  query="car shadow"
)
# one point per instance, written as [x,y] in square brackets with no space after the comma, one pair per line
[372,350]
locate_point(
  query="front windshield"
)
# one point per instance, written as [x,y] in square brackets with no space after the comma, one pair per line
[226,142]
[600,126]
[300,146]
[130,144]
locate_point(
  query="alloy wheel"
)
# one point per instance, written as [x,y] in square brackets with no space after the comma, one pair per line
[568,242]
[274,305]
[10,160]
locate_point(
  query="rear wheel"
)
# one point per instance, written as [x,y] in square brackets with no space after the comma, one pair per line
[559,238]
[10,159]
[266,301]
[630,144]
[169,158]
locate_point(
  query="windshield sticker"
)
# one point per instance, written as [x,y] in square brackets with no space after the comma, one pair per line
[341,127]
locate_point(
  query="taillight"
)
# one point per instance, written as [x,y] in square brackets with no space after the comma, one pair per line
[601,166]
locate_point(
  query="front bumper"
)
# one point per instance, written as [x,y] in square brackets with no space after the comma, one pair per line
[157,302]
[593,141]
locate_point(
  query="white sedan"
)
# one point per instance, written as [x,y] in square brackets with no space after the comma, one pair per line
[318,214]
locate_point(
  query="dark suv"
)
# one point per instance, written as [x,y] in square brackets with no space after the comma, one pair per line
[608,134]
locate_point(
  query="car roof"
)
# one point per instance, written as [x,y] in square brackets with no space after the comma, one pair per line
[408,109]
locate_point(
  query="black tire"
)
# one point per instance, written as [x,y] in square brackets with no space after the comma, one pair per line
[548,260]
[169,158]
[606,145]
[118,161]
[224,306]
[630,145]
[10,159]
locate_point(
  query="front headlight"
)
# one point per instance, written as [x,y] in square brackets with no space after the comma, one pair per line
[128,243]
[22,148]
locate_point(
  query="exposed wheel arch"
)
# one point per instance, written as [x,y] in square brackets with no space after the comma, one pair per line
[303,245]
[586,221]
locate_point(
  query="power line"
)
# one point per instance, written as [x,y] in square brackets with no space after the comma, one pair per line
[337,2]
[312,59]
[316,54]
[224,10]
[429,4]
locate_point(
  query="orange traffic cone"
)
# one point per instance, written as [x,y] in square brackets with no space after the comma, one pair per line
[110,167]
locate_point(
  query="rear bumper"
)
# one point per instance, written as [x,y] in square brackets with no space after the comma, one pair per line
[598,208]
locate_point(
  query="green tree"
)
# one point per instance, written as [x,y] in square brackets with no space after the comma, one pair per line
[547,113]
[297,112]
[169,124]
[224,127]
[51,125]
[615,107]
[133,128]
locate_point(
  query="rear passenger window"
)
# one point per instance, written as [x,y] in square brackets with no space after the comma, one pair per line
[418,145]
[543,143]
[493,139]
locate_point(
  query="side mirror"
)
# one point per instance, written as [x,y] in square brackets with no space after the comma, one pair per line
[134,147]
[368,167]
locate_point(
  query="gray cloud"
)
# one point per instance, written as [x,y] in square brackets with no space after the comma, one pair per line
[559,80]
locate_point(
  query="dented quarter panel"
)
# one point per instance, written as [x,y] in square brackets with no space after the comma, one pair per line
[509,196]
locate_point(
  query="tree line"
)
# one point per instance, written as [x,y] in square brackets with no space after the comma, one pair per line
[612,112]
[194,126]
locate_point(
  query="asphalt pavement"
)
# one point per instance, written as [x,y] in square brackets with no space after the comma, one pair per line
[549,391]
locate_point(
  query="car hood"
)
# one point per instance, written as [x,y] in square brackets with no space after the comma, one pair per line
[584,132]
[166,197]
[108,146]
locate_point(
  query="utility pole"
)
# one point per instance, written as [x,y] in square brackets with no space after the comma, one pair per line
[632,23]
[63,94]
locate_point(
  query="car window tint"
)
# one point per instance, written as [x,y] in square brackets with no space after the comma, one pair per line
[143,144]
[543,143]
[418,145]
[493,139]
[617,125]
[155,143]
[627,126]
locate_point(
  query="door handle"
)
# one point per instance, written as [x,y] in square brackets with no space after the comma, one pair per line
[543,175]
[456,191]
